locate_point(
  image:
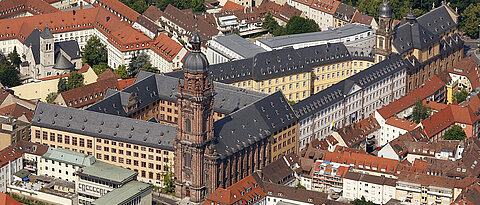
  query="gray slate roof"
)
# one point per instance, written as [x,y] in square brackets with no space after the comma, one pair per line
[239,45]
[338,91]
[71,48]
[283,62]
[104,126]
[288,40]
[425,31]
[110,172]
[149,87]
[252,123]
[46,33]
[62,63]
[33,40]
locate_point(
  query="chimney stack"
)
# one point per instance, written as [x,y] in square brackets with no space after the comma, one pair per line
[81,4]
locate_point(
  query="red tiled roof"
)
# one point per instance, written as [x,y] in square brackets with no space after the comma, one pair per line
[469,68]
[8,200]
[429,88]
[231,6]
[9,154]
[35,7]
[166,47]
[362,18]
[122,84]
[84,69]
[447,117]
[237,194]
[283,12]
[305,2]
[327,6]
[17,110]
[88,94]
[153,13]
[120,34]
[363,161]
[118,8]
[186,20]
[434,105]
[401,123]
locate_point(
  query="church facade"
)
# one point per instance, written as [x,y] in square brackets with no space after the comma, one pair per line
[430,42]
[211,154]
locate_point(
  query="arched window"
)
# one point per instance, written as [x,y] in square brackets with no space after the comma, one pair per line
[188,125]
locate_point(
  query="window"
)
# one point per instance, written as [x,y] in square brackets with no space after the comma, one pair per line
[188,125]
[59,138]
[67,139]
[89,143]
[45,136]
[82,142]
[74,141]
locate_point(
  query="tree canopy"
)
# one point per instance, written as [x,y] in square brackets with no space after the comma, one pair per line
[75,80]
[420,111]
[149,68]
[62,85]
[122,72]
[95,52]
[455,133]
[141,5]
[137,63]
[461,96]
[14,58]
[362,201]
[295,25]
[8,73]
[100,68]
[51,97]
[470,19]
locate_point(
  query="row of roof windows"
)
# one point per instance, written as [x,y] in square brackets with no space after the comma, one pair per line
[12,10]
[80,100]
[113,11]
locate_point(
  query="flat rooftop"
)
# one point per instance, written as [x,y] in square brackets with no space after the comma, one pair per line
[108,171]
[124,193]
[239,45]
[289,40]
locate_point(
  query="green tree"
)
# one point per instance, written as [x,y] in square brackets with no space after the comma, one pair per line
[298,24]
[362,201]
[62,85]
[195,5]
[369,7]
[51,97]
[455,133]
[14,58]
[95,52]
[149,68]
[269,23]
[461,96]
[420,111]
[8,73]
[75,80]
[168,182]
[100,68]
[137,63]
[122,72]
[470,19]
[300,186]
[139,6]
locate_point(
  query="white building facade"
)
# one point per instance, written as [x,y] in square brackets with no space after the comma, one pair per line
[351,100]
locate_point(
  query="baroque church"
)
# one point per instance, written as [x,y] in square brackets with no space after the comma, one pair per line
[211,154]
[430,42]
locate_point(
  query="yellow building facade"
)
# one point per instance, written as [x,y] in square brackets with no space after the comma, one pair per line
[298,73]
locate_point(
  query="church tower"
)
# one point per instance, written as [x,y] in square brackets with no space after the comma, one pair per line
[46,48]
[195,125]
[384,34]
